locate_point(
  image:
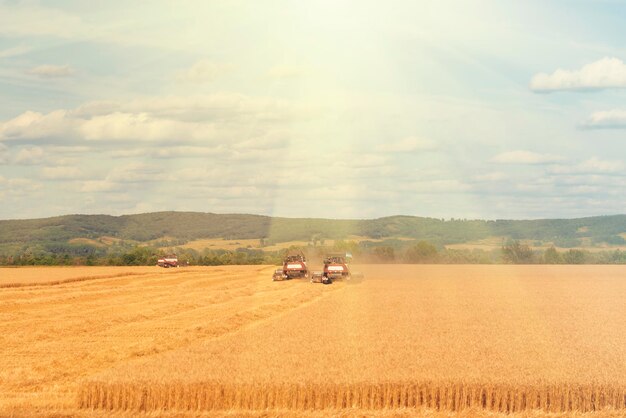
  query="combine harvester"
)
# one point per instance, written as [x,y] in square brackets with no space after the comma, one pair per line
[294,266]
[168,261]
[335,267]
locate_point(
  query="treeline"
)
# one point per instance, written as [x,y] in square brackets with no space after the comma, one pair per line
[390,251]
[144,256]
[518,253]
[513,252]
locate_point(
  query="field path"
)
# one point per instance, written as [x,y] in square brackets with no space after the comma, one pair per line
[53,335]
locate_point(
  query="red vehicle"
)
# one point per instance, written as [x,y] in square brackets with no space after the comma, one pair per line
[294,266]
[168,261]
[335,267]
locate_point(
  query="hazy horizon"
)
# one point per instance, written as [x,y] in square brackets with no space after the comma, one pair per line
[342,110]
[313,217]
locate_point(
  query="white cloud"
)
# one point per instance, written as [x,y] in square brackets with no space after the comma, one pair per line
[525,157]
[34,125]
[132,175]
[52,71]
[70,149]
[277,138]
[60,173]
[593,165]
[410,144]
[436,186]
[602,74]
[139,126]
[596,165]
[4,153]
[96,186]
[364,160]
[14,51]
[29,155]
[204,71]
[490,177]
[185,152]
[199,174]
[615,118]
[207,119]
[126,152]
[285,71]
[135,173]
[18,186]
[26,19]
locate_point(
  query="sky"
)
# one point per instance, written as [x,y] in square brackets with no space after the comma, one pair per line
[338,109]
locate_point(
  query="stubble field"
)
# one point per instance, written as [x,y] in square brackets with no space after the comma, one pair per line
[408,340]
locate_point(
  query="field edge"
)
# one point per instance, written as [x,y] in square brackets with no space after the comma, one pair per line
[440,396]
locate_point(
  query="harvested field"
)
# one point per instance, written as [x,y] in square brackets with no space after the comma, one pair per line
[496,243]
[53,335]
[428,340]
[224,244]
[27,276]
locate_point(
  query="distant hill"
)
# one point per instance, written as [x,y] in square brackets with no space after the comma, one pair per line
[177,228]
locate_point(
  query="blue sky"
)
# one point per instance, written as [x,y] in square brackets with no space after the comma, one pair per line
[343,109]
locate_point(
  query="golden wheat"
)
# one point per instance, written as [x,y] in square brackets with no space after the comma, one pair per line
[53,335]
[31,276]
[409,340]
[499,338]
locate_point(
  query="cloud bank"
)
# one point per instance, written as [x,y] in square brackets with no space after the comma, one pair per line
[204,71]
[525,157]
[609,119]
[52,71]
[603,74]
[214,118]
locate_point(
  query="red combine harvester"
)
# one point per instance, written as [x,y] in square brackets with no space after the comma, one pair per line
[294,266]
[335,267]
[168,261]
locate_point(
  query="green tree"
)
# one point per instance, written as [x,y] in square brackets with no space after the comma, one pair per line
[517,253]
[384,254]
[574,257]
[422,252]
[552,256]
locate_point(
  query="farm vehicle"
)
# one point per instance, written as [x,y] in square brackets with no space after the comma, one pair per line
[168,261]
[294,266]
[335,267]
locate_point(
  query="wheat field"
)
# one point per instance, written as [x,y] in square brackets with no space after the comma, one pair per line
[227,341]
[29,276]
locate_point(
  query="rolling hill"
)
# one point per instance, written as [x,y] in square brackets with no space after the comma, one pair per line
[163,229]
